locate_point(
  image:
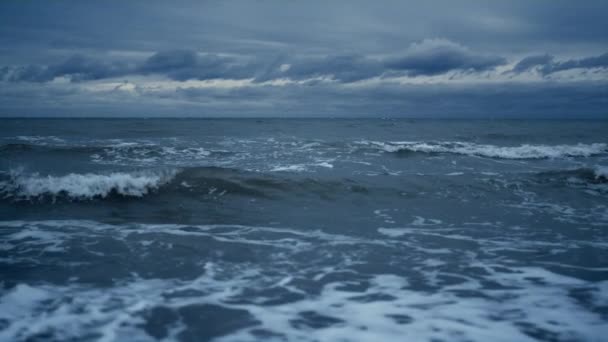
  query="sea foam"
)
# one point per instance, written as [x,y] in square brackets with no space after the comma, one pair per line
[288,291]
[85,186]
[525,151]
[601,172]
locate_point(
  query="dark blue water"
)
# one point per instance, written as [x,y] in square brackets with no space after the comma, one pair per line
[303,230]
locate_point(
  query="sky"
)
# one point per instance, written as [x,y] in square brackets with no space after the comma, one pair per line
[419,59]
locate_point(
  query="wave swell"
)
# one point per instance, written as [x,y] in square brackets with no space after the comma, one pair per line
[84,186]
[525,151]
[215,182]
[195,182]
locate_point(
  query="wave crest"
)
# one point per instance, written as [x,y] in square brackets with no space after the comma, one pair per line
[601,172]
[525,151]
[84,186]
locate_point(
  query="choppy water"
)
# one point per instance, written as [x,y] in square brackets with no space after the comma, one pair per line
[303,230]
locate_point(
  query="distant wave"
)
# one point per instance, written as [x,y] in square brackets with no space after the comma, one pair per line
[146,153]
[83,186]
[597,174]
[135,149]
[47,148]
[491,151]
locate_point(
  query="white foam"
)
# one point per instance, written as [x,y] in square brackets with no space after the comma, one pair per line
[301,167]
[325,164]
[191,152]
[389,307]
[19,302]
[601,172]
[86,186]
[421,221]
[40,140]
[435,316]
[525,151]
[115,313]
[394,232]
[146,153]
[383,214]
[416,223]
[289,168]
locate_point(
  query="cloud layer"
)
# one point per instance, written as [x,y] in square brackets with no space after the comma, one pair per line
[438,56]
[546,64]
[334,58]
[428,57]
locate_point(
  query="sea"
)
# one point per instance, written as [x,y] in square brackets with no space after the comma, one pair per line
[303,230]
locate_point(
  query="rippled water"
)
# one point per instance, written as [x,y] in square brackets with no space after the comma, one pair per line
[303,230]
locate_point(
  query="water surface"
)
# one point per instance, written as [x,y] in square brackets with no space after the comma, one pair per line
[303,230]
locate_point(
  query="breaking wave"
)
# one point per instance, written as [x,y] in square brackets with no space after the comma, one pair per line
[199,182]
[210,182]
[601,172]
[491,151]
[84,186]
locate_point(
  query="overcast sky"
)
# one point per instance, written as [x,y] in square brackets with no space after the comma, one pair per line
[531,59]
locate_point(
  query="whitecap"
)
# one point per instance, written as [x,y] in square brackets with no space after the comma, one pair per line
[525,151]
[85,186]
[292,168]
[601,172]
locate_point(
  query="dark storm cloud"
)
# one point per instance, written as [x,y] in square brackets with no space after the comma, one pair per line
[531,62]
[438,56]
[170,61]
[584,63]
[429,57]
[176,64]
[546,64]
[80,67]
[184,65]
[343,68]
[77,68]
[28,73]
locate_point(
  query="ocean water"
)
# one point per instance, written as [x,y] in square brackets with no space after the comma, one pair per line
[303,230]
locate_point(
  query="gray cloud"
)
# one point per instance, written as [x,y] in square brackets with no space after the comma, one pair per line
[585,63]
[77,68]
[531,62]
[184,65]
[429,57]
[175,64]
[343,68]
[80,68]
[170,61]
[438,56]
[546,64]
[28,73]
